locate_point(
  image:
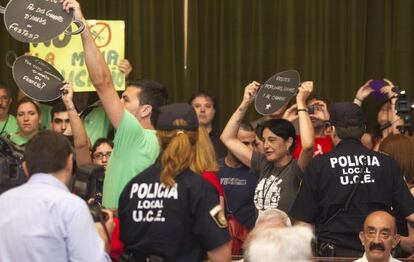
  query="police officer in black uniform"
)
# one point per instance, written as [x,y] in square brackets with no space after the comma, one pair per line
[167,212]
[339,189]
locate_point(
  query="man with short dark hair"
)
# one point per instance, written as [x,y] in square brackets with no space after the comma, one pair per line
[42,220]
[340,188]
[8,123]
[135,144]
[205,106]
[60,119]
[319,115]
[379,237]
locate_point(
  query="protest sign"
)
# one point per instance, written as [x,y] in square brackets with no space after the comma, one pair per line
[65,53]
[277,91]
[37,79]
[35,21]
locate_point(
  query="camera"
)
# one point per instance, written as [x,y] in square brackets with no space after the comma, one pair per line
[11,172]
[403,107]
[88,181]
[96,209]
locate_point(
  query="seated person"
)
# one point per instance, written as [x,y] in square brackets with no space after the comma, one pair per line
[287,244]
[379,237]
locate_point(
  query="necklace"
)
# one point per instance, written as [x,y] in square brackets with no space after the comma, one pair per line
[279,174]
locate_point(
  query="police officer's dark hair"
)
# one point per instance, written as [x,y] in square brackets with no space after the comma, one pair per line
[246,127]
[152,93]
[203,93]
[47,152]
[281,128]
[349,132]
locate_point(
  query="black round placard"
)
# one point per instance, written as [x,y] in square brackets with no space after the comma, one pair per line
[277,91]
[36,21]
[37,78]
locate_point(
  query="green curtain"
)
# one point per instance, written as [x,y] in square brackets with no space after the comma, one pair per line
[339,44]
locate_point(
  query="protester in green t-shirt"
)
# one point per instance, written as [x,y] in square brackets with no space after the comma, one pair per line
[97,124]
[135,145]
[8,123]
[28,120]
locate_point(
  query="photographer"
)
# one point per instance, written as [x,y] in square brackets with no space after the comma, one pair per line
[43,221]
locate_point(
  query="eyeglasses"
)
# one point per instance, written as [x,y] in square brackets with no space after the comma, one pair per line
[101,155]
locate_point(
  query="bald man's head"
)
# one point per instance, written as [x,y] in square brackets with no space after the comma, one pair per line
[379,236]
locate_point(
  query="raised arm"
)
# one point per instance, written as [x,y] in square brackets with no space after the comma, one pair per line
[229,135]
[395,120]
[80,138]
[125,67]
[363,92]
[306,130]
[98,69]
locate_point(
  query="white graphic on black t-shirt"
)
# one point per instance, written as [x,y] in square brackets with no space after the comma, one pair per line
[267,193]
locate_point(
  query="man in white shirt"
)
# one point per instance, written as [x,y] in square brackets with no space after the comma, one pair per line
[379,237]
[41,219]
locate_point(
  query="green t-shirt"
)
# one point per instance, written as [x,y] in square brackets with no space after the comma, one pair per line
[135,149]
[97,124]
[18,141]
[46,119]
[10,128]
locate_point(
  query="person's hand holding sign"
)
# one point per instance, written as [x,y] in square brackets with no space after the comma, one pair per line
[80,138]
[305,89]
[250,92]
[67,95]
[291,114]
[125,67]
[69,5]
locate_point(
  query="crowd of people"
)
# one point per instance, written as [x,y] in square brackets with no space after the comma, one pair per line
[307,180]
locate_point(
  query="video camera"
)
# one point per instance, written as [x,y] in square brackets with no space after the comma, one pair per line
[403,106]
[11,172]
[87,183]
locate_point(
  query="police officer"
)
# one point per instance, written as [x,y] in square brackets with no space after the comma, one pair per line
[167,212]
[339,189]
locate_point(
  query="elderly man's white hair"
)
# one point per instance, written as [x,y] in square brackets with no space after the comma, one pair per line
[275,217]
[280,244]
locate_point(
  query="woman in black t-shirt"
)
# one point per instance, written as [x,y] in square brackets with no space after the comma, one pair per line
[279,173]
